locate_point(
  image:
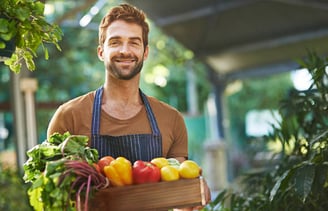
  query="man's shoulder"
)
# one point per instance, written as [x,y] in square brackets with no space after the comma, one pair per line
[80,102]
[158,104]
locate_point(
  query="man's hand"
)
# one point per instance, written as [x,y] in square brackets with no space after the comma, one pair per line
[206,189]
[207,194]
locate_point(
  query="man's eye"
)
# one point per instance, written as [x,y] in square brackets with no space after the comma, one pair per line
[114,43]
[136,43]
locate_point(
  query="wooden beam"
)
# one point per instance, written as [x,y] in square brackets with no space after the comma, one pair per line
[6,106]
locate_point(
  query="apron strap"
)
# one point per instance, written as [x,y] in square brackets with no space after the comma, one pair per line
[95,124]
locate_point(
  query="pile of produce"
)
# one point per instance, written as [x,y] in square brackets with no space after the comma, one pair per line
[121,171]
[65,172]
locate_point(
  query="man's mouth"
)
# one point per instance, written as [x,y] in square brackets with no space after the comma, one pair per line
[125,60]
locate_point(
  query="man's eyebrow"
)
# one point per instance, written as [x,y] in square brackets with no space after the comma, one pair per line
[135,38]
[114,38]
[130,38]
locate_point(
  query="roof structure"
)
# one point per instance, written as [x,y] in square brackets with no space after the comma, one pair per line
[242,38]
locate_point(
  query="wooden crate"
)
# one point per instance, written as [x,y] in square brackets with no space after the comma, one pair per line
[154,196]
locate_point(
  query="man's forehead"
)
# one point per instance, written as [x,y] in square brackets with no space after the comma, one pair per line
[124,29]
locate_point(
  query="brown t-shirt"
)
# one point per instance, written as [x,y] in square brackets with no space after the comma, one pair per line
[75,116]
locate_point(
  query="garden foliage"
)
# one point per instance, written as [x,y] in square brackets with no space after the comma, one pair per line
[296,177]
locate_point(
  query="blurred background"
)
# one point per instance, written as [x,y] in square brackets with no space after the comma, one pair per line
[224,64]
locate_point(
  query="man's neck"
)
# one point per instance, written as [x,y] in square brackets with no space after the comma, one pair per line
[121,99]
[125,91]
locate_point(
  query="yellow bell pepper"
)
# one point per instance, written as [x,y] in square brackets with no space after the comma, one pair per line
[119,172]
[160,162]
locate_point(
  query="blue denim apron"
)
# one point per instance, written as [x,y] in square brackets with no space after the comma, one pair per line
[133,146]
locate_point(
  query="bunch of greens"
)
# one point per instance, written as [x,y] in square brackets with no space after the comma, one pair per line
[60,169]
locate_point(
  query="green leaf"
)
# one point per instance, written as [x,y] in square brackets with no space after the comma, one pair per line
[2,45]
[35,196]
[219,197]
[4,25]
[46,54]
[281,184]
[39,8]
[38,183]
[6,36]
[321,172]
[13,63]
[21,13]
[54,166]
[28,57]
[75,144]
[58,138]
[30,64]
[303,178]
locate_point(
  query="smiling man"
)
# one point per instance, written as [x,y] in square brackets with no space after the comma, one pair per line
[118,117]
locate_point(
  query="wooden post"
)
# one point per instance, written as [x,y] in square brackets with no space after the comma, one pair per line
[19,120]
[28,86]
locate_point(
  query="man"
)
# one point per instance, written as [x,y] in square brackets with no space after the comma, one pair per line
[119,118]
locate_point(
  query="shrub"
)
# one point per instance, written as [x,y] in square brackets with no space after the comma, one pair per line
[13,191]
[296,177]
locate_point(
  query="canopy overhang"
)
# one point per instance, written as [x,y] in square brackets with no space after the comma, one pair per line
[239,38]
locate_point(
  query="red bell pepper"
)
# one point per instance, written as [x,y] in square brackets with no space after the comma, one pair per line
[145,172]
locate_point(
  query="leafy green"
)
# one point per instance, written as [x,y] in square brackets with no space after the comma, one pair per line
[48,162]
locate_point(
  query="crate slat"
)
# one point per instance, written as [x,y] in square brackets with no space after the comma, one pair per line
[154,196]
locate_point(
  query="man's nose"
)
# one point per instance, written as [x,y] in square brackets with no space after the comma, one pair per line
[124,48]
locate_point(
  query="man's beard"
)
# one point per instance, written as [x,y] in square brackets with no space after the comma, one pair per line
[116,71]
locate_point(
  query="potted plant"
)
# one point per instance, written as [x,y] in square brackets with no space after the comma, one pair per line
[23,25]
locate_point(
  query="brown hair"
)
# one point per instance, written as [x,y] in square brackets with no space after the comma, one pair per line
[127,13]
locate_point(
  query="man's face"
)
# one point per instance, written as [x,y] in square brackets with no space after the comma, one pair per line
[123,52]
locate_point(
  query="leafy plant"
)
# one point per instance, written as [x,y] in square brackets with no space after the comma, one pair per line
[13,190]
[23,22]
[296,177]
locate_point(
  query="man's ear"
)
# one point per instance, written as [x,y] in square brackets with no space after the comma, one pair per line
[146,52]
[100,53]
